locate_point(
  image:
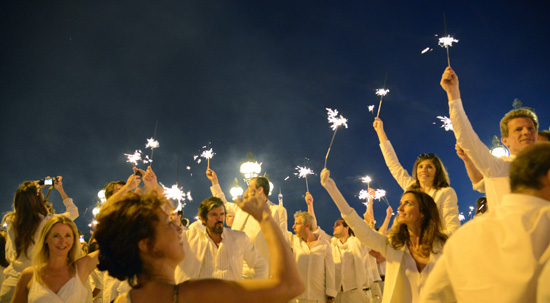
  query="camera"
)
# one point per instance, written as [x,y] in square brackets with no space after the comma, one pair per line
[47,181]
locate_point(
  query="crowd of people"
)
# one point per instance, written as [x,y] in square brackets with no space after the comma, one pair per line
[142,250]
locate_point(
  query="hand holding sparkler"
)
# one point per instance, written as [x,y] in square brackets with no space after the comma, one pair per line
[449,82]
[336,121]
[211,175]
[309,199]
[150,181]
[302,173]
[379,129]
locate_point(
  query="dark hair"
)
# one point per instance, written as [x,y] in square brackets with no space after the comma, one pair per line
[3,261]
[430,229]
[110,188]
[263,183]
[345,224]
[29,209]
[121,225]
[93,247]
[532,163]
[207,205]
[441,179]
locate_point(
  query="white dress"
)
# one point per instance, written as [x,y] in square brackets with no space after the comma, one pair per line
[72,292]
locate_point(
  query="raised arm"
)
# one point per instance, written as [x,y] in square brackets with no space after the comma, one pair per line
[217,190]
[362,231]
[384,228]
[310,210]
[484,161]
[131,184]
[473,173]
[390,157]
[71,211]
[21,293]
[285,282]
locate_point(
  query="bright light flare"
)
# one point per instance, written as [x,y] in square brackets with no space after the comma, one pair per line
[427,49]
[176,193]
[303,172]
[447,41]
[366,179]
[134,158]
[382,92]
[379,194]
[461,217]
[152,143]
[446,123]
[335,120]
[208,154]
[371,108]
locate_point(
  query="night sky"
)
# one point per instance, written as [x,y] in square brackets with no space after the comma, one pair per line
[83,82]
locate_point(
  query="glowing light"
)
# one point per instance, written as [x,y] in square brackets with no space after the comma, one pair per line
[471,210]
[366,179]
[134,158]
[335,120]
[461,217]
[371,108]
[303,172]
[363,195]
[176,193]
[379,194]
[95,211]
[101,195]
[427,49]
[286,178]
[500,151]
[446,123]
[207,154]
[152,143]
[382,91]
[447,41]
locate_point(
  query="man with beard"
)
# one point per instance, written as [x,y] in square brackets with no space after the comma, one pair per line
[216,251]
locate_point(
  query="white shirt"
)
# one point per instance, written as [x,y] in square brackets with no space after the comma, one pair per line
[246,223]
[445,198]
[496,257]
[495,170]
[543,291]
[204,260]
[316,267]
[410,282]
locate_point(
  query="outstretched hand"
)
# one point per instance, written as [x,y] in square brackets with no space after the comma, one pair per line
[461,153]
[309,199]
[389,212]
[252,203]
[325,177]
[378,125]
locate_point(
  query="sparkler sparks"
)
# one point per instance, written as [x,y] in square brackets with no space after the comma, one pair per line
[152,143]
[134,158]
[371,108]
[461,217]
[382,92]
[207,154]
[446,123]
[447,41]
[336,121]
[427,49]
[176,193]
[366,179]
[302,173]
[379,194]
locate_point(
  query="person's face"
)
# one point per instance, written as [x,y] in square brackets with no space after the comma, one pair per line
[215,219]
[425,172]
[168,238]
[339,230]
[409,210]
[252,186]
[521,133]
[299,227]
[175,217]
[60,240]
[229,219]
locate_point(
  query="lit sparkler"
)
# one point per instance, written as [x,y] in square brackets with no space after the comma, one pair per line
[461,217]
[447,42]
[208,154]
[371,109]
[366,179]
[302,173]
[335,121]
[471,211]
[152,143]
[175,193]
[446,122]
[382,92]
[134,158]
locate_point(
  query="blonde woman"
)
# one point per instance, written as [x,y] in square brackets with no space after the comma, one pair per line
[59,273]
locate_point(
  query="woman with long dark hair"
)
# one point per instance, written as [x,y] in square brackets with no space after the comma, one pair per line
[412,247]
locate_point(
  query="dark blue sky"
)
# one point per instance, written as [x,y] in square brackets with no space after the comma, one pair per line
[82,83]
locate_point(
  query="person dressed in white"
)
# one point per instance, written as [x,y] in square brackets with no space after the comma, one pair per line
[518,130]
[216,251]
[24,226]
[349,255]
[498,256]
[244,222]
[428,175]
[313,256]
[412,247]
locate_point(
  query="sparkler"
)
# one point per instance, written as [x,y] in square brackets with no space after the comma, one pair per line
[446,123]
[471,211]
[447,41]
[336,121]
[302,173]
[152,143]
[371,109]
[208,154]
[366,179]
[177,194]
[134,158]
[382,92]
[461,216]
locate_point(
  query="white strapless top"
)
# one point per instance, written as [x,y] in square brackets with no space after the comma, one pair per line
[73,291]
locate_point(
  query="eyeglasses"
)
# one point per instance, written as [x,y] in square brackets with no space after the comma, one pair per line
[427,156]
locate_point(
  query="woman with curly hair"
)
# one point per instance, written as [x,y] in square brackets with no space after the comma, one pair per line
[428,175]
[59,273]
[140,243]
[24,226]
[413,246]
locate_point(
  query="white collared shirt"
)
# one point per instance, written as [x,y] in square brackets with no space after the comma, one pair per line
[316,267]
[344,266]
[216,263]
